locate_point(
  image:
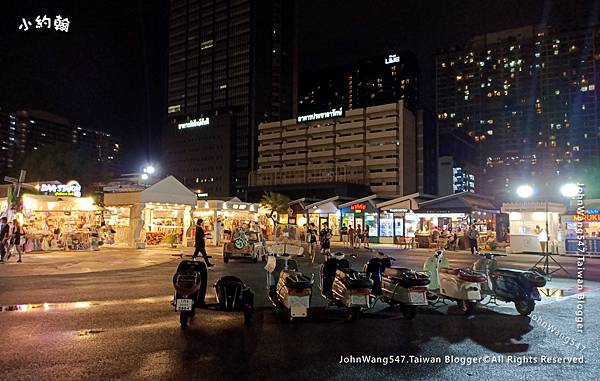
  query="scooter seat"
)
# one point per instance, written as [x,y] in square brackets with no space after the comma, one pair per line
[354,279]
[536,280]
[298,281]
[396,272]
[449,270]
[406,278]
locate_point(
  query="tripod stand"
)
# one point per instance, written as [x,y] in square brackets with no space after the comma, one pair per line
[546,256]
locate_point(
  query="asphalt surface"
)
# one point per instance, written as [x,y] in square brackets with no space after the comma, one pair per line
[118,324]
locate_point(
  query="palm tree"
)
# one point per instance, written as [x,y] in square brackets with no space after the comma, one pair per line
[277,203]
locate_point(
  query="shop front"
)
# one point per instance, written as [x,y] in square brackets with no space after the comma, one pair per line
[59,223]
[158,215]
[324,211]
[363,213]
[588,225]
[528,226]
[397,221]
[223,216]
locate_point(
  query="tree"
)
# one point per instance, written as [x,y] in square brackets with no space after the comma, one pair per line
[277,204]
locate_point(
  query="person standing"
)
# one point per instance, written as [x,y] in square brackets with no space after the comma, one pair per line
[366,237]
[472,234]
[200,244]
[3,237]
[311,239]
[359,236]
[344,234]
[351,236]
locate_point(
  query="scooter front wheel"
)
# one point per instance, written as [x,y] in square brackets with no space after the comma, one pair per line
[524,306]
[467,307]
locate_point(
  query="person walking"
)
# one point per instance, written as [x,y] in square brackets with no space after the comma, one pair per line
[472,234]
[16,234]
[359,236]
[351,236]
[200,244]
[325,239]
[3,237]
[366,237]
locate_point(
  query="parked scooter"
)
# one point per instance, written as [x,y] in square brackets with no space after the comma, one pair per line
[190,282]
[460,285]
[397,285]
[288,288]
[508,285]
[345,287]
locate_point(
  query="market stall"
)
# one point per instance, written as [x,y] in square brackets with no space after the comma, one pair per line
[528,226]
[325,211]
[59,223]
[223,216]
[453,214]
[158,215]
[589,226]
[364,213]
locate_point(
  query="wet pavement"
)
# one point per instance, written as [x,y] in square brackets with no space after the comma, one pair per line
[118,324]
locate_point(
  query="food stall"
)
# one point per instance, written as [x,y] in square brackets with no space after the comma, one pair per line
[59,223]
[454,213]
[526,219]
[158,215]
[589,225]
[222,216]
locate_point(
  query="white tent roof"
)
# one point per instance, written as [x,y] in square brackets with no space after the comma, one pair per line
[169,190]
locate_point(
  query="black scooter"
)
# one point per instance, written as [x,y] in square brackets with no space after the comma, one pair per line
[190,282]
[509,285]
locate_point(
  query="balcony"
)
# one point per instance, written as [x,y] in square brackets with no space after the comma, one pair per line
[297,132]
[300,144]
[269,147]
[325,153]
[378,162]
[376,122]
[383,148]
[269,159]
[314,130]
[269,136]
[349,151]
[350,138]
[320,142]
[388,135]
[293,156]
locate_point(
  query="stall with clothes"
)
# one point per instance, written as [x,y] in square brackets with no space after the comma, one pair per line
[158,215]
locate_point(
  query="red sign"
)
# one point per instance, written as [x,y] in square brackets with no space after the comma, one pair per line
[360,206]
[587,218]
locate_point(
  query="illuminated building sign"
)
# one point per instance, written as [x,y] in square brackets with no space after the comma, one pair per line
[392,58]
[194,123]
[70,189]
[322,115]
[358,207]
[591,215]
[398,210]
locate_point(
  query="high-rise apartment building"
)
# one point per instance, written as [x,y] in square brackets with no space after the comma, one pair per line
[232,64]
[368,82]
[527,98]
[26,131]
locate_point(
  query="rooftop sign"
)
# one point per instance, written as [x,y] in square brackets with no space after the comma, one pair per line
[322,115]
[392,58]
[194,123]
[72,189]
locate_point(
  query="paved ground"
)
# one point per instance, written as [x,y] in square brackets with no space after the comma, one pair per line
[116,323]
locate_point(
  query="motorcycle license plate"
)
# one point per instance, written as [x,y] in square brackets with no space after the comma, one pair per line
[184,304]
[417,298]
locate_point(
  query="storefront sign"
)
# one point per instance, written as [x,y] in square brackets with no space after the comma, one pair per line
[70,189]
[392,58]
[588,217]
[397,210]
[194,123]
[358,207]
[322,115]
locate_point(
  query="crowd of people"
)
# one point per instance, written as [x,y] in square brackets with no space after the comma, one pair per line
[12,238]
[355,238]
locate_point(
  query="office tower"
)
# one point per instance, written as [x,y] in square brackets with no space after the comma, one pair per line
[527,100]
[232,64]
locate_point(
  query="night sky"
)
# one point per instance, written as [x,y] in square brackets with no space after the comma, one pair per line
[109,71]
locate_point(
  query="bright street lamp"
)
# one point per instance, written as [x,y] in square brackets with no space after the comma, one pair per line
[569,190]
[144,176]
[150,169]
[524,191]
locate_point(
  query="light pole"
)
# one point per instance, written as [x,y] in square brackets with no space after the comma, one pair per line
[567,190]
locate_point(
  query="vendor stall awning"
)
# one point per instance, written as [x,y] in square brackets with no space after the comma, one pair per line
[168,190]
[407,202]
[553,207]
[464,202]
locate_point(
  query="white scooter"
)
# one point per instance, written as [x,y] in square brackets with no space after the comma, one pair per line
[291,290]
[460,285]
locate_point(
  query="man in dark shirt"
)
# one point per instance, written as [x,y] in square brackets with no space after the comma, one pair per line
[3,237]
[199,243]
